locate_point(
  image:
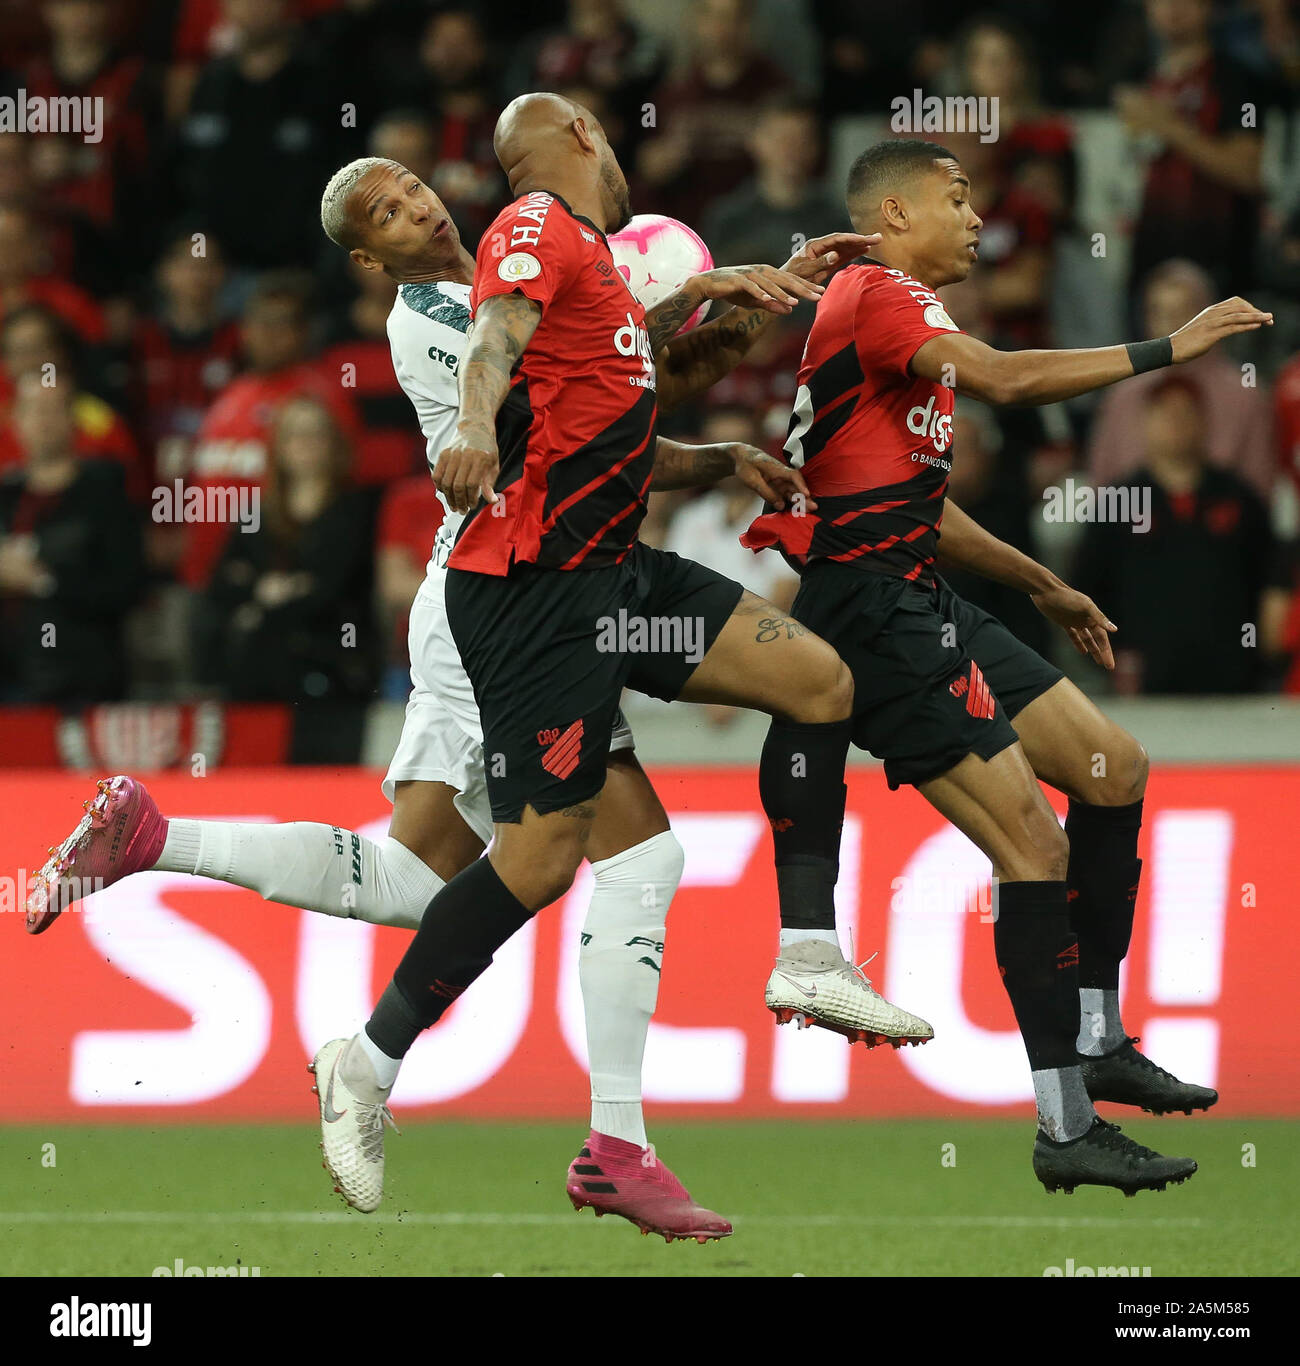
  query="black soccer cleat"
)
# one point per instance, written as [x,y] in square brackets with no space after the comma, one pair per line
[1105,1157]
[1127,1077]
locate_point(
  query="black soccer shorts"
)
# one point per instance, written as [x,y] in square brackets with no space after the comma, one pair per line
[549,651]
[935,678]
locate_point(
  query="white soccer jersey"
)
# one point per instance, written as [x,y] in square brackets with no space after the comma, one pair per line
[426,333]
[442,736]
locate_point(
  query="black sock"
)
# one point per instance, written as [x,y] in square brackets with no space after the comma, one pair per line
[801,784]
[1038,957]
[464,925]
[1103,881]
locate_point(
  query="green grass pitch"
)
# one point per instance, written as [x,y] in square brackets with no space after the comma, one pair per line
[868,1198]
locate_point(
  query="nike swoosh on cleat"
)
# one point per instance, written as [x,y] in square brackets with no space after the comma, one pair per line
[807,991]
[328,1112]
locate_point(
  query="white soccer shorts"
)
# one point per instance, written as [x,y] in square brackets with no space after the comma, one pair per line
[442,737]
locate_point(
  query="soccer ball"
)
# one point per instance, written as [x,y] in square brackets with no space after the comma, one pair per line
[656,256]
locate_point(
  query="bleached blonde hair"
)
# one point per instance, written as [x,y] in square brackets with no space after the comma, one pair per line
[334,215]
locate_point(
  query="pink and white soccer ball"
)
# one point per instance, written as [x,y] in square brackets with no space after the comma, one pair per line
[656,256]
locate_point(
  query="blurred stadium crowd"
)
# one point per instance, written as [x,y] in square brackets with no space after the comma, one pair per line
[202,329]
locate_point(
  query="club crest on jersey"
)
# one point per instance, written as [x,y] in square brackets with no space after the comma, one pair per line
[519,265]
[923,420]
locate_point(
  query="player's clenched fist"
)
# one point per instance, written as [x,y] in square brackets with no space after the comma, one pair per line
[1212,324]
[467,469]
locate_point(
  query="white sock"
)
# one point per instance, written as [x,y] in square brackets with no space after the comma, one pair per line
[618,966]
[318,867]
[789,937]
[363,1049]
[1064,1110]
[1100,1028]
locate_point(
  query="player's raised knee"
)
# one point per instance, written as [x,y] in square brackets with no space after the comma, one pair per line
[1120,778]
[827,693]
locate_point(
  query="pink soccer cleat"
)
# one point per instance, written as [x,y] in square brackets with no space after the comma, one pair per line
[617,1177]
[121,833]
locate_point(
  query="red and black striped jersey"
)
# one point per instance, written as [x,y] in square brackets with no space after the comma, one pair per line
[872,439]
[576,433]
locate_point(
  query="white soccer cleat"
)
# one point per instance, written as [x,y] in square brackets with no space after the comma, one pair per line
[351,1128]
[814,984]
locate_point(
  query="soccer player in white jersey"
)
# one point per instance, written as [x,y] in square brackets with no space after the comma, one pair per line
[442,820]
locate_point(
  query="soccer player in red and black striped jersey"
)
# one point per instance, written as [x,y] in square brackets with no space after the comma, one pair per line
[943,693]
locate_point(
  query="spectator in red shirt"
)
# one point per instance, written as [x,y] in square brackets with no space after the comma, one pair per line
[1201,197]
[33,342]
[98,180]
[704,117]
[409,518]
[183,353]
[1016,241]
[1035,148]
[232,445]
[1238,435]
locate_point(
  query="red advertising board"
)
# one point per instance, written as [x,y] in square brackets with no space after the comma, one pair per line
[178,998]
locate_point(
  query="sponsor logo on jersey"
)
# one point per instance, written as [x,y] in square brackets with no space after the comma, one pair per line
[923,420]
[444,358]
[633,340]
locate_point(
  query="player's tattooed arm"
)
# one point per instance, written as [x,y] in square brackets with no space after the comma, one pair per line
[678,466]
[501,331]
[467,468]
[691,363]
[964,544]
[763,287]
[697,360]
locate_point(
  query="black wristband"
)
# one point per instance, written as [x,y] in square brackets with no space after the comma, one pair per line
[1150,355]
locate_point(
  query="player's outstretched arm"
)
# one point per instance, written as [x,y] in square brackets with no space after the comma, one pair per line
[678,466]
[693,361]
[1033,377]
[503,327]
[964,544]
[766,287]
